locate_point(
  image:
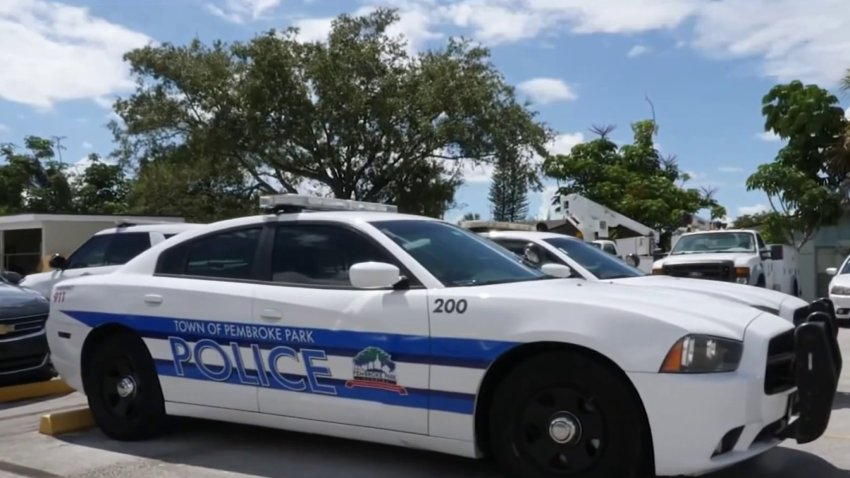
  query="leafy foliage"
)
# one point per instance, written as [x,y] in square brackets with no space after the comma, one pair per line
[508,193]
[634,180]
[357,114]
[803,183]
[34,181]
[767,224]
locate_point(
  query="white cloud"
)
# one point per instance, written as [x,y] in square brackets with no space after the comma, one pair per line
[755,209]
[787,38]
[241,11]
[86,145]
[544,197]
[768,136]
[730,169]
[637,50]
[414,25]
[791,39]
[53,52]
[563,143]
[547,90]
[3,129]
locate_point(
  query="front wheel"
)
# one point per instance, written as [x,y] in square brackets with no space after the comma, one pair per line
[562,414]
[123,390]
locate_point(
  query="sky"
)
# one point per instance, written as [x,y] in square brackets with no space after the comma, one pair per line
[704,64]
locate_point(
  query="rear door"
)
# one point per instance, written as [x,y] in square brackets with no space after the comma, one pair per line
[196,315]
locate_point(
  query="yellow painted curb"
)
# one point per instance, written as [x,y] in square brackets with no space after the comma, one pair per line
[53,424]
[34,390]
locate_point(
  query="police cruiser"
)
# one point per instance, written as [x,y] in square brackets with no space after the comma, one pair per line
[350,319]
[591,263]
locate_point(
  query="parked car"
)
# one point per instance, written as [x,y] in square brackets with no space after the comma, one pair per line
[103,253]
[839,291]
[24,354]
[589,262]
[355,321]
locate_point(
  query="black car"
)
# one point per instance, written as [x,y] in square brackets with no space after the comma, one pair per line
[24,354]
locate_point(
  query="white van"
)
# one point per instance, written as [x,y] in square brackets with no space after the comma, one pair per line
[103,253]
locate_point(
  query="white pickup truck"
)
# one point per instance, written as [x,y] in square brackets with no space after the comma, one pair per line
[733,255]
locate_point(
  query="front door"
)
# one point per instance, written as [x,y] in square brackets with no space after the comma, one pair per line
[336,353]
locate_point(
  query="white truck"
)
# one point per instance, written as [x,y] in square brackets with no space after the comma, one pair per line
[733,255]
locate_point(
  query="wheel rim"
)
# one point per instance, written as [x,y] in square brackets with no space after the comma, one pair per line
[120,387]
[561,431]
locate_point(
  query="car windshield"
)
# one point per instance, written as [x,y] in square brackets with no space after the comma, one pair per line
[715,242]
[598,262]
[455,256]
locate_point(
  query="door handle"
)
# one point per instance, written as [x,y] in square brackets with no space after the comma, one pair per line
[153,298]
[271,314]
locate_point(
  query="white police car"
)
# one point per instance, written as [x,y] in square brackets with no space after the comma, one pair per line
[411,331]
[589,262]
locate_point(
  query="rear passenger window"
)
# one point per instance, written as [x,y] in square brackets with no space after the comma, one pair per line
[126,246]
[228,255]
[320,255]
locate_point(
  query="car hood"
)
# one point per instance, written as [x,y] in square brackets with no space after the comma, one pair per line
[691,311]
[736,257]
[771,301]
[841,279]
[17,301]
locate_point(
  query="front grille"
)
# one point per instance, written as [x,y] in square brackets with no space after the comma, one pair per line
[20,326]
[18,364]
[781,360]
[718,270]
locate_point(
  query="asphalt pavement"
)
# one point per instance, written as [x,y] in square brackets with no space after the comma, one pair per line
[200,448]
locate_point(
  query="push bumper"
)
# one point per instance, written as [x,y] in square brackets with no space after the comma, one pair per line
[817,368]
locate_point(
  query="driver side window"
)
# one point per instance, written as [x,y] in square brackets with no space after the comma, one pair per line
[92,253]
[321,255]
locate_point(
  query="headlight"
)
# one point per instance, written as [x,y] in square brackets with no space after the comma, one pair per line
[840,290]
[703,354]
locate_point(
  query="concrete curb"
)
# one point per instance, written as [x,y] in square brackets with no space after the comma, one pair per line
[68,421]
[25,391]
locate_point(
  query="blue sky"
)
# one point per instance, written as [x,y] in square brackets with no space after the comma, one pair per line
[704,63]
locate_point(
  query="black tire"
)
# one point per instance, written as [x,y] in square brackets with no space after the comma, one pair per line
[141,414]
[612,441]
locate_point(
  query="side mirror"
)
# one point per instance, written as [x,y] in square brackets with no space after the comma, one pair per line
[12,277]
[777,252]
[556,270]
[633,259]
[766,255]
[832,271]
[374,275]
[58,262]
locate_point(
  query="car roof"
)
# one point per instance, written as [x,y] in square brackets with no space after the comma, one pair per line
[166,228]
[710,231]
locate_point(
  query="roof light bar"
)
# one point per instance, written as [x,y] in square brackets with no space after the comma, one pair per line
[297,202]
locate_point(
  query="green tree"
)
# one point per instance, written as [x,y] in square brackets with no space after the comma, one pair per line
[102,188]
[634,180]
[34,180]
[357,114]
[508,193]
[198,189]
[803,183]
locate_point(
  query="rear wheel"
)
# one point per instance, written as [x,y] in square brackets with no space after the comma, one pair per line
[123,389]
[562,414]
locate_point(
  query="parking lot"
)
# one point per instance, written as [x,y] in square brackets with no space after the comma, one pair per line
[210,449]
